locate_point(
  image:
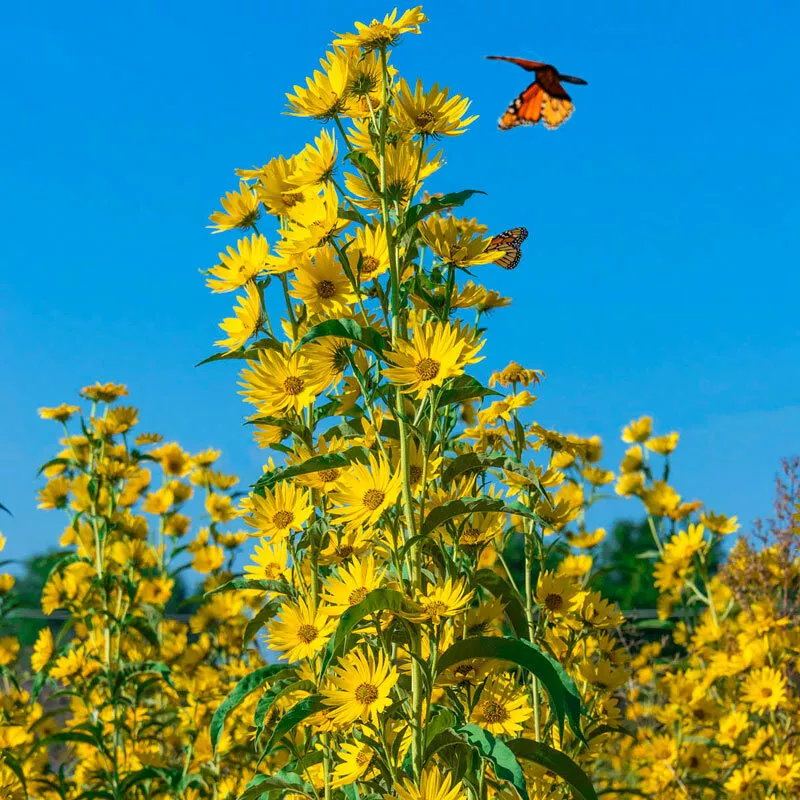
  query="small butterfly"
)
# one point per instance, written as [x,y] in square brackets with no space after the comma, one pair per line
[544,99]
[509,242]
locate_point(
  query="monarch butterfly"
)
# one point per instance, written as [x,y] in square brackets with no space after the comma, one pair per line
[509,242]
[544,99]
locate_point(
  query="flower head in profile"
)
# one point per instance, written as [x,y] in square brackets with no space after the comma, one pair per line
[246,322]
[432,113]
[457,243]
[42,649]
[241,210]
[275,190]
[663,445]
[315,164]
[240,265]
[638,430]
[719,523]
[281,510]
[104,392]
[380,34]
[360,687]
[437,351]
[364,492]
[300,631]
[433,785]
[59,413]
[312,223]
[325,95]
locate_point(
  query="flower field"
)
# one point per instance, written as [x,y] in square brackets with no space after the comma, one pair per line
[406,601]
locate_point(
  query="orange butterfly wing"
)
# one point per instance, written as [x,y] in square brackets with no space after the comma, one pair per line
[525,109]
[509,242]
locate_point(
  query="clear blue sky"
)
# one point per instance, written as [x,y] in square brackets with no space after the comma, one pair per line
[660,275]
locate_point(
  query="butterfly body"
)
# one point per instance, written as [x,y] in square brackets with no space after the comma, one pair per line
[509,242]
[545,99]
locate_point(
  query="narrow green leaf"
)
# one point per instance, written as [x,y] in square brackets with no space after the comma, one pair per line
[315,464]
[479,462]
[501,590]
[272,695]
[16,768]
[300,711]
[281,781]
[561,690]
[281,587]
[243,688]
[555,761]
[260,619]
[464,388]
[244,352]
[346,329]
[470,505]
[421,210]
[376,600]
[505,763]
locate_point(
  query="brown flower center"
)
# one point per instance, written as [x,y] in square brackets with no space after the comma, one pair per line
[357,595]
[344,550]
[272,571]
[293,385]
[470,535]
[366,693]
[435,608]
[494,712]
[282,519]
[424,119]
[363,757]
[307,633]
[465,671]
[291,198]
[369,264]
[328,475]
[428,369]
[783,771]
[414,473]
[373,498]
[766,691]
[554,602]
[326,290]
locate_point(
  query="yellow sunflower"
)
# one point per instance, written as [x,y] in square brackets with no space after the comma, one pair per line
[341,547]
[312,223]
[239,265]
[559,594]
[431,113]
[60,413]
[325,95]
[503,707]
[359,687]
[274,189]
[442,600]
[352,584]
[316,162]
[270,561]
[436,352]
[323,286]
[382,34]
[358,763]
[462,245]
[280,511]
[300,631]
[241,210]
[638,430]
[277,382]
[247,321]
[764,689]
[368,253]
[364,492]
[42,649]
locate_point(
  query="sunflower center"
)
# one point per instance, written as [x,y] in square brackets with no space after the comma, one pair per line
[428,369]
[435,607]
[373,498]
[465,671]
[424,119]
[364,757]
[307,633]
[783,771]
[470,535]
[766,691]
[357,595]
[291,198]
[344,550]
[369,264]
[495,712]
[554,602]
[693,762]
[326,289]
[293,385]
[366,693]
[414,473]
[272,571]
[328,475]
[282,519]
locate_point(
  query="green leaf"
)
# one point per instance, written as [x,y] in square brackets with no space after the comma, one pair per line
[272,695]
[505,763]
[561,690]
[464,388]
[347,329]
[142,775]
[125,673]
[281,587]
[421,210]
[470,505]
[282,781]
[244,352]
[16,768]
[315,464]
[243,688]
[300,711]
[555,761]
[503,591]
[479,462]
[377,600]
[260,619]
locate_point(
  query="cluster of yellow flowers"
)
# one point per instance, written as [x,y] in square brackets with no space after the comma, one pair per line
[419,615]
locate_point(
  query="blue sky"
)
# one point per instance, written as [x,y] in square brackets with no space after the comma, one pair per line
[660,275]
